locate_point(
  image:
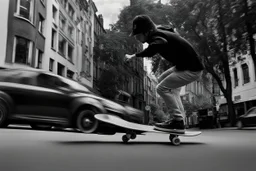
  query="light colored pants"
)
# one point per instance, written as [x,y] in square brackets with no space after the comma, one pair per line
[169,86]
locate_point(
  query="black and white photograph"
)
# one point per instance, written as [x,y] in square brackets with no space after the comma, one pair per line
[127,85]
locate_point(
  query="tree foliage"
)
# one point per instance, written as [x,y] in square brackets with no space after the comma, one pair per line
[200,102]
[108,83]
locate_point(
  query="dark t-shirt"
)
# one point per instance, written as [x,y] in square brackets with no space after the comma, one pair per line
[174,49]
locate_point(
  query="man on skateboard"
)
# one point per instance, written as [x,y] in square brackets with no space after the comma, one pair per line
[186,67]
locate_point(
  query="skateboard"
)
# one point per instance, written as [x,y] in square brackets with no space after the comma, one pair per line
[133,129]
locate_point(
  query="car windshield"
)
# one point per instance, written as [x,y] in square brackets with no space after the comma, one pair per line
[251,112]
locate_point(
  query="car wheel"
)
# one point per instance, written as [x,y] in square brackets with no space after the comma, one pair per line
[239,124]
[3,115]
[86,122]
[40,127]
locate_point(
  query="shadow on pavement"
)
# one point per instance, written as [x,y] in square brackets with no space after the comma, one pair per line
[236,129]
[50,130]
[121,143]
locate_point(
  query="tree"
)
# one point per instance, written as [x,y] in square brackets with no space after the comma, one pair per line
[110,51]
[156,115]
[189,107]
[202,22]
[155,10]
[199,102]
[242,27]
[108,83]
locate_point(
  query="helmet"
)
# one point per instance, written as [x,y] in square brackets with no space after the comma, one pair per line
[141,24]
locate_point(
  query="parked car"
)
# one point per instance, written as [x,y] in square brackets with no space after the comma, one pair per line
[248,119]
[43,100]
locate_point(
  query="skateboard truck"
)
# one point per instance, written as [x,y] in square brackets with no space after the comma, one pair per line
[174,139]
[129,135]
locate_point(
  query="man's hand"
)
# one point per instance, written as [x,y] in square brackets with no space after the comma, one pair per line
[128,57]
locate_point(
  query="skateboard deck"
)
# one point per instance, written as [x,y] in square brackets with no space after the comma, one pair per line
[117,121]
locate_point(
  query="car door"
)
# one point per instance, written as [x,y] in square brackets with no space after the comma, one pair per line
[18,84]
[53,99]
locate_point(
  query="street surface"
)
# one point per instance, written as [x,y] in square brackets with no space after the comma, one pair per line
[24,149]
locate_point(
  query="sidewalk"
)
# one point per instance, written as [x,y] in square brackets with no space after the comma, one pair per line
[223,128]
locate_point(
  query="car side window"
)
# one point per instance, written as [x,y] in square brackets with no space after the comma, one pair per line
[17,76]
[49,81]
[44,80]
[26,80]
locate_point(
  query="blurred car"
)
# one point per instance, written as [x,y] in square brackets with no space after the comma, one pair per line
[248,119]
[43,100]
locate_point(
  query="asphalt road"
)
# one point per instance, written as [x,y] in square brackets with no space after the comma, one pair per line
[215,150]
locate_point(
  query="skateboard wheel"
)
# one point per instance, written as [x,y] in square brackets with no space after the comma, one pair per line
[175,141]
[125,139]
[171,137]
[133,136]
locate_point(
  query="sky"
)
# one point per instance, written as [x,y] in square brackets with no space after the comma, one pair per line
[110,9]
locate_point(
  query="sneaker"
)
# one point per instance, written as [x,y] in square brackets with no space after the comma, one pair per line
[176,126]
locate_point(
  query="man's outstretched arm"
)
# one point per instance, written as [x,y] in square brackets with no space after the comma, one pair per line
[151,50]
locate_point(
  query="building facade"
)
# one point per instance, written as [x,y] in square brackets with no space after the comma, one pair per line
[70,40]
[97,64]
[243,77]
[3,27]
[53,35]
[25,43]
[196,88]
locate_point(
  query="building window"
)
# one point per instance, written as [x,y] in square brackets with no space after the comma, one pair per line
[51,65]
[78,37]
[62,22]
[64,3]
[71,31]
[235,77]
[90,33]
[39,59]
[70,74]
[25,9]
[254,36]
[53,43]
[41,24]
[94,70]
[71,11]
[70,52]
[54,14]
[22,50]
[62,45]
[246,75]
[61,69]
[88,66]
